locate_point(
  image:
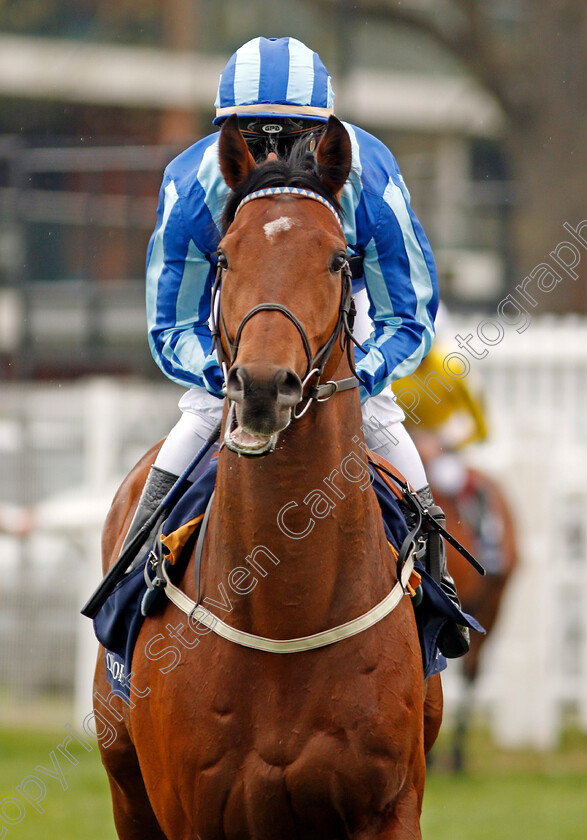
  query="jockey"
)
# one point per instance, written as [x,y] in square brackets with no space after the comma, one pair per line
[281,91]
[450,409]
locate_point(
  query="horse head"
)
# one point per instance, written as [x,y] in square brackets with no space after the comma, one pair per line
[281,269]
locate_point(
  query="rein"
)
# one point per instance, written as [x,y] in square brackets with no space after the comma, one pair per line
[315,364]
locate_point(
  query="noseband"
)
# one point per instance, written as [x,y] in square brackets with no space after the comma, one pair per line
[315,364]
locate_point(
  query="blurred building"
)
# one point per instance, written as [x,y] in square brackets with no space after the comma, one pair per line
[95,99]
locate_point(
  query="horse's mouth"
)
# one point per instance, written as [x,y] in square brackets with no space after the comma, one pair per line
[243,441]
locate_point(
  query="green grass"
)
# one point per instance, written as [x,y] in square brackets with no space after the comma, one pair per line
[510,795]
[81,811]
[505,795]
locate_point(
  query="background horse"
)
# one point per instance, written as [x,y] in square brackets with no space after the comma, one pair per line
[481,498]
[224,741]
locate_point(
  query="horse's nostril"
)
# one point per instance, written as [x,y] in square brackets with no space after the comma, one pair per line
[289,388]
[238,383]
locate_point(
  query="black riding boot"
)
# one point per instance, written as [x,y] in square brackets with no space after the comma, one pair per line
[454,639]
[158,484]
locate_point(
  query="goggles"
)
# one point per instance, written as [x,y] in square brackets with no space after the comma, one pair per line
[272,134]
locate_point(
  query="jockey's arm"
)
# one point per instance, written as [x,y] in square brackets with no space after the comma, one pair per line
[179,280]
[401,282]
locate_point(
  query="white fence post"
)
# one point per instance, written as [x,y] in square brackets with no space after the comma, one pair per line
[525,710]
[537,388]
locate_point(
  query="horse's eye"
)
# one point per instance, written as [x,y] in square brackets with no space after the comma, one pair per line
[222,260]
[337,262]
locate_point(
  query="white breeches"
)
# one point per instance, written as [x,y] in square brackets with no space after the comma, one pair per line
[382,427]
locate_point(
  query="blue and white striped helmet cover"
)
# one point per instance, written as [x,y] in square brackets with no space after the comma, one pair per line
[275,77]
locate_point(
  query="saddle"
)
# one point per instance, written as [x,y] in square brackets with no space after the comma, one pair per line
[120,618]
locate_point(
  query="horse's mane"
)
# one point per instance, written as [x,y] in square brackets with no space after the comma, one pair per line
[297,169]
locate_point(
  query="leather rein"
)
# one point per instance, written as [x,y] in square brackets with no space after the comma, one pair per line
[315,363]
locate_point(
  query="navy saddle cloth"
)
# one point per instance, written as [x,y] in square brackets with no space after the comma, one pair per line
[119,620]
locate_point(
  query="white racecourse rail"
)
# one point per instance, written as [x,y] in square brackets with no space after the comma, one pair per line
[535,673]
[535,669]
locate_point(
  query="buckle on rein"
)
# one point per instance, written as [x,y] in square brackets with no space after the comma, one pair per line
[333,391]
[414,544]
[426,524]
[155,561]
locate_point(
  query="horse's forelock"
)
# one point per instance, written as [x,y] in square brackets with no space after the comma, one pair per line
[296,170]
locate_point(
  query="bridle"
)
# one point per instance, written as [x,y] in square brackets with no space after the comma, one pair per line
[315,363]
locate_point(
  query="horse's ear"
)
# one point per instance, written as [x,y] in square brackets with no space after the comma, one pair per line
[236,162]
[334,155]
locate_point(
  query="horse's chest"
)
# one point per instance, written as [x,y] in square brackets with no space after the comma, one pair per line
[296,747]
[313,781]
[326,751]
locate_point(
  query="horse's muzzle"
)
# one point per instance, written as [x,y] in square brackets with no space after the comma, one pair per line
[264,397]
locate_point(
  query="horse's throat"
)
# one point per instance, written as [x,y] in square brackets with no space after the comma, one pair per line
[296,537]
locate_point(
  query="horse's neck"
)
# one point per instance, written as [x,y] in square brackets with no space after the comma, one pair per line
[302,528]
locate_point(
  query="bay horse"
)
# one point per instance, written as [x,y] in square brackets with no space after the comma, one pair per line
[480,596]
[222,740]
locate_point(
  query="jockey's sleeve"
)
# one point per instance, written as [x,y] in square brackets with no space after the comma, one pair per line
[399,271]
[179,278]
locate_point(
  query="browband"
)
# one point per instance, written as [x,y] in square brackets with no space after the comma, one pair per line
[295,191]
